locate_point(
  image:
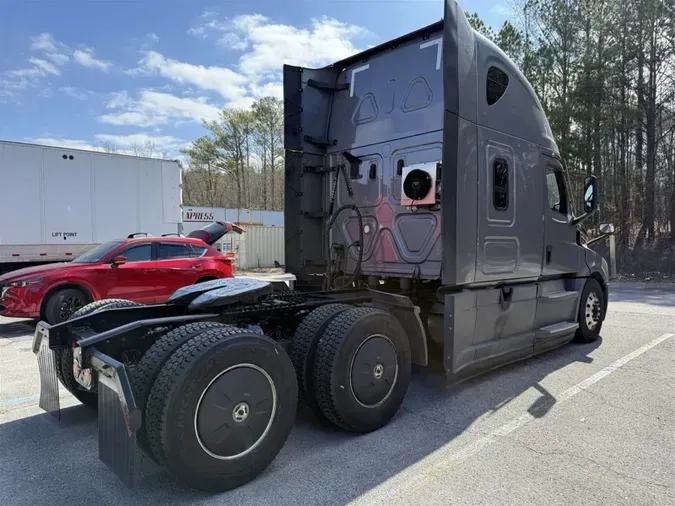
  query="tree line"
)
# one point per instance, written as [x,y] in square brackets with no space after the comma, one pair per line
[238,162]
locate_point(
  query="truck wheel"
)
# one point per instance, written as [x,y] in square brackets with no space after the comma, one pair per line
[303,346]
[362,369]
[590,315]
[221,408]
[64,303]
[148,367]
[64,358]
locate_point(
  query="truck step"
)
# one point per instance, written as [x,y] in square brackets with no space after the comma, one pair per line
[556,330]
[559,296]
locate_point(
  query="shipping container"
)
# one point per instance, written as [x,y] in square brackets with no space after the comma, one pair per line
[258,247]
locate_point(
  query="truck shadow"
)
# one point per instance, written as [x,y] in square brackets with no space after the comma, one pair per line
[318,465]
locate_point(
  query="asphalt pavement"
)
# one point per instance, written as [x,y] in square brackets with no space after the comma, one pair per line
[582,425]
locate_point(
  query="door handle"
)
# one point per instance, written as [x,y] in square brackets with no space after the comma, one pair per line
[548,253]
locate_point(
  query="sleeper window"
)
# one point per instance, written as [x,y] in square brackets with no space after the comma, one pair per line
[497,82]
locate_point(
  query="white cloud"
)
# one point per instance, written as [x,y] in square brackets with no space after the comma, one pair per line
[45,66]
[228,83]
[76,93]
[153,37]
[45,42]
[273,89]
[327,41]
[265,46]
[153,108]
[86,59]
[65,143]
[233,41]
[118,99]
[48,63]
[58,58]
[159,142]
[202,31]
[51,49]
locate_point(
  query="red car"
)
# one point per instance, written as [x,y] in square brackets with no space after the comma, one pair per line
[145,270]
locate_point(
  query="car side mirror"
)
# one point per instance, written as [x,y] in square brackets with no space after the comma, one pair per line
[590,194]
[117,261]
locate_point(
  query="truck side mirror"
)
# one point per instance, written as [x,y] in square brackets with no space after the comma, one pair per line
[590,194]
[606,228]
[590,199]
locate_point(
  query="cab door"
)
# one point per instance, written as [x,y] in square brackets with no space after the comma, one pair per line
[561,253]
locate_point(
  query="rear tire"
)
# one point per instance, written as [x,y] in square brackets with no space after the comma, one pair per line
[362,369]
[221,408]
[303,347]
[590,315]
[64,358]
[148,367]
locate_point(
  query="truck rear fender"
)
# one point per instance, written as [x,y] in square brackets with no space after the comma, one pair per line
[408,315]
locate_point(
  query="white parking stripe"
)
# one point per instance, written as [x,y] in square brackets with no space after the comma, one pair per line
[432,466]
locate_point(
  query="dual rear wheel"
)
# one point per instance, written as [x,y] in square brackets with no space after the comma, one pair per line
[353,365]
[220,408]
[220,401]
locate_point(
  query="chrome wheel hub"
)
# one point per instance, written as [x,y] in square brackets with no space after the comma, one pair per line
[593,311]
[240,412]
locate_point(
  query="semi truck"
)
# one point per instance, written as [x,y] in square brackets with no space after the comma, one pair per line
[58,203]
[428,223]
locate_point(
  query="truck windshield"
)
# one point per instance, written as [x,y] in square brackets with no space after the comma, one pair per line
[94,255]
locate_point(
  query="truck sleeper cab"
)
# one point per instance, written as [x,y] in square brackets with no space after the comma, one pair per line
[460,188]
[427,222]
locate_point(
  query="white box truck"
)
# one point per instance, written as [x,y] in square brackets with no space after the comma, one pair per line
[57,203]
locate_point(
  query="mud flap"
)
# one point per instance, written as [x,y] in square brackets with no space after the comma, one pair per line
[49,382]
[118,418]
[116,440]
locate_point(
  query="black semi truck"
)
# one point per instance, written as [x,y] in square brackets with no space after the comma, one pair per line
[428,223]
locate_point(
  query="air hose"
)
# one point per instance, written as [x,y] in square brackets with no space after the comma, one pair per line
[350,191]
[357,269]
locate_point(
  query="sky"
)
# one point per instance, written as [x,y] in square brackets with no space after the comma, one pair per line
[83,73]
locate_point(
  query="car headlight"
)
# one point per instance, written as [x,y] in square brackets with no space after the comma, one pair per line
[22,284]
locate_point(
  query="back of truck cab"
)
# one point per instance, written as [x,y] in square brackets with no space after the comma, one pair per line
[440,113]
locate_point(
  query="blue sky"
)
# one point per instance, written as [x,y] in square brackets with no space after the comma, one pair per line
[78,73]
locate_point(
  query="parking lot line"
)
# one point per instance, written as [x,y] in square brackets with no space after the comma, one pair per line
[435,464]
[20,400]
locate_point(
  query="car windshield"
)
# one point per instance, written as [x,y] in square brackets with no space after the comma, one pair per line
[95,255]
